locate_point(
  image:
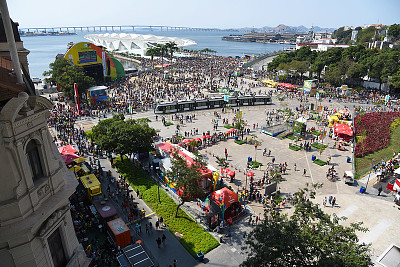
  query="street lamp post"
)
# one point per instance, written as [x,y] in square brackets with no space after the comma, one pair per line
[245,187]
[369,175]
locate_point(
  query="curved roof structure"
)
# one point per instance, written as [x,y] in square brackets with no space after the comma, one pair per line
[134,43]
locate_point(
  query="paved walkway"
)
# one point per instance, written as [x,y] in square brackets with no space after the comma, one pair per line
[163,256]
[377,213]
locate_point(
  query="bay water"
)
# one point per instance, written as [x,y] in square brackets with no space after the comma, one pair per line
[44,49]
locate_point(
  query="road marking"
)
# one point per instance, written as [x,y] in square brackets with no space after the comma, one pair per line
[347,212]
[140,219]
[233,249]
[375,232]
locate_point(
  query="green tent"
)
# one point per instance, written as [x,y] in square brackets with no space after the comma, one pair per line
[120,69]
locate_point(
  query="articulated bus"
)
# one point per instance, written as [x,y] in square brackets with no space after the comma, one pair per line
[218,102]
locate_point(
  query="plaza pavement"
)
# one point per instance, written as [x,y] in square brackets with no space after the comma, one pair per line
[377,213]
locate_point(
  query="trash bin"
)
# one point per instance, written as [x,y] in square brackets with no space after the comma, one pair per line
[313,157]
[200,256]
[236,137]
[249,159]
[348,159]
[362,189]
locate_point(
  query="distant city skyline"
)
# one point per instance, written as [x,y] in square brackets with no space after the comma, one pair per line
[222,14]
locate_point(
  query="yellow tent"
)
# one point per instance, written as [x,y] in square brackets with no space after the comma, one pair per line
[79,160]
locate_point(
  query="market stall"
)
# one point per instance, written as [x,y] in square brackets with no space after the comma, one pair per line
[343,132]
[119,232]
[227,202]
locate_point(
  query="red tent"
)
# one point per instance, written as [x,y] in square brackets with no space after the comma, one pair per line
[167,147]
[69,158]
[343,129]
[250,173]
[224,195]
[67,150]
[198,139]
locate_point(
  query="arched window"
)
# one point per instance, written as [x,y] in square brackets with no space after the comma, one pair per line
[32,152]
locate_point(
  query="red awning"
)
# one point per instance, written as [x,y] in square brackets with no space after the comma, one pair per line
[343,129]
[69,158]
[224,195]
[250,173]
[167,147]
[67,150]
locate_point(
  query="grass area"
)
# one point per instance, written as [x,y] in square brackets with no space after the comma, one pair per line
[168,123]
[228,126]
[255,164]
[240,142]
[319,146]
[313,112]
[194,238]
[291,137]
[294,147]
[316,133]
[319,162]
[364,164]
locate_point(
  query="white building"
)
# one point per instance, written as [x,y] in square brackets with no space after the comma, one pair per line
[134,43]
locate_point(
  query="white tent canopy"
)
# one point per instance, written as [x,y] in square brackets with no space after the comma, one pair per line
[301,120]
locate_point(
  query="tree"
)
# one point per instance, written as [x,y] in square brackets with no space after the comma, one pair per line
[395,80]
[162,48]
[222,162]
[394,30]
[123,137]
[307,238]
[172,47]
[152,51]
[65,75]
[186,177]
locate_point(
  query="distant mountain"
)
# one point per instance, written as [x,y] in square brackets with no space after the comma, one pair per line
[282,28]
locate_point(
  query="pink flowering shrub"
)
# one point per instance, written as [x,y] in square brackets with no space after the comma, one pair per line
[375,128]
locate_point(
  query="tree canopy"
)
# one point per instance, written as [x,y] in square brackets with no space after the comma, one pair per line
[338,65]
[65,75]
[309,237]
[186,177]
[123,137]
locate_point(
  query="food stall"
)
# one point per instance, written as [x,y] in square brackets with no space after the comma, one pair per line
[119,232]
[91,184]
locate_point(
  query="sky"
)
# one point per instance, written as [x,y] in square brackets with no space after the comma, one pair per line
[205,13]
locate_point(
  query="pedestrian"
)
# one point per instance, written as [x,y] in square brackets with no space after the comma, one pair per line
[333,202]
[295,167]
[147,229]
[273,160]
[163,239]
[161,221]
[175,263]
[304,172]
[158,240]
[157,224]
[330,200]
[324,202]
[379,190]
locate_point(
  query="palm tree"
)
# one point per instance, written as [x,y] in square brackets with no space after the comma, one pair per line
[162,48]
[172,48]
[152,51]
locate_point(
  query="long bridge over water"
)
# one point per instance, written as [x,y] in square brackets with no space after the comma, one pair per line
[113,28]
